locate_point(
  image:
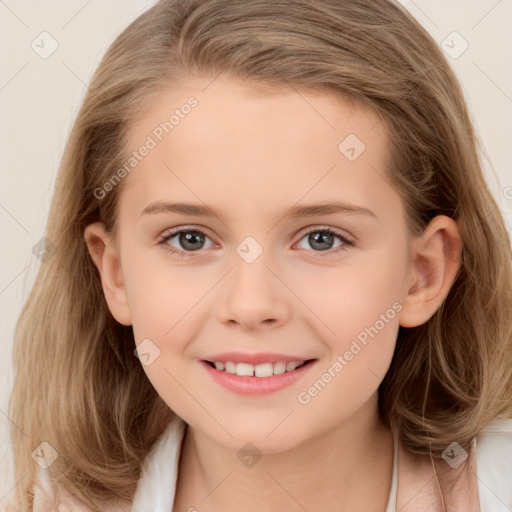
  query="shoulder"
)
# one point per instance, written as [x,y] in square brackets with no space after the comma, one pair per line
[159,468]
[487,483]
[159,472]
[49,499]
[494,464]
[494,446]
[500,427]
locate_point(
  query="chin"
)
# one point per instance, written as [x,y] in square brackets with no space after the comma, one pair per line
[267,439]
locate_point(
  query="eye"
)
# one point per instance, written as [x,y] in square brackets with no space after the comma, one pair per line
[190,239]
[322,239]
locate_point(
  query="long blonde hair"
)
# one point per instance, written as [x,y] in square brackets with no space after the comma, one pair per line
[78,385]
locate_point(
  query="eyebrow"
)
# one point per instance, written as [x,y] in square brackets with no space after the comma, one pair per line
[296,211]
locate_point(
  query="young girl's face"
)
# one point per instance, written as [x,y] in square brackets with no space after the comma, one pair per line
[262,276]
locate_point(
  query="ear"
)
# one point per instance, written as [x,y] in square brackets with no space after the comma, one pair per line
[106,258]
[432,270]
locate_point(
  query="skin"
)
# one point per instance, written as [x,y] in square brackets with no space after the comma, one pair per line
[250,155]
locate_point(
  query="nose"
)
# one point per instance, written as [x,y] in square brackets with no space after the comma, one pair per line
[254,296]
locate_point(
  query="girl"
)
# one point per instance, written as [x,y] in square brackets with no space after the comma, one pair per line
[339,338]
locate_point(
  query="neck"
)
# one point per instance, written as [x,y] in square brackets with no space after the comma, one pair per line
[337,467]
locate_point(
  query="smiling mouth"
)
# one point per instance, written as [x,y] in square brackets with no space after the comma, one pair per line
[259,370]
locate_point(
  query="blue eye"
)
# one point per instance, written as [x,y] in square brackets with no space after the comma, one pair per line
[193,239]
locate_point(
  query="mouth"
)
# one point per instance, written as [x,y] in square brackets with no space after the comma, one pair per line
[261,370]
[257,379]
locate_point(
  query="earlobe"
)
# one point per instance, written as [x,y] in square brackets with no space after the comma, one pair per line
[106,258]
[432,271]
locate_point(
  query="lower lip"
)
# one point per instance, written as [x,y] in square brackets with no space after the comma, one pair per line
[246,385]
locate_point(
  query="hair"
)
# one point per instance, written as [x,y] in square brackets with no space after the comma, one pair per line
[78,385]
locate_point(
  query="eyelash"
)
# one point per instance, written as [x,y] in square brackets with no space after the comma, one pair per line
[186,254]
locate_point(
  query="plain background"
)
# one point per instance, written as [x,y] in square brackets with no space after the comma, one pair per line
[40,97]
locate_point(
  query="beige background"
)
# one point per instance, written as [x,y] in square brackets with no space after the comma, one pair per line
[39,98]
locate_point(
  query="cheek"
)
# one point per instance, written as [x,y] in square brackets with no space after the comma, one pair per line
[355,296]
[164,304]
[362,311]
[360,305]
[162,296]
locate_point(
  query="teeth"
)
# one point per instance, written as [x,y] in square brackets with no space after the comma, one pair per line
[259,370]
[230,367]
[264,370]
[244,369]
[279,368]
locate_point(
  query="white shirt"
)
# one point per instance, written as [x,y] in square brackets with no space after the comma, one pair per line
[157,484]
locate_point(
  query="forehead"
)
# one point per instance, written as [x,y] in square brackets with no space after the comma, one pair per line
[226,143]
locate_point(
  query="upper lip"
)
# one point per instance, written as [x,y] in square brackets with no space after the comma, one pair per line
[259,358]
